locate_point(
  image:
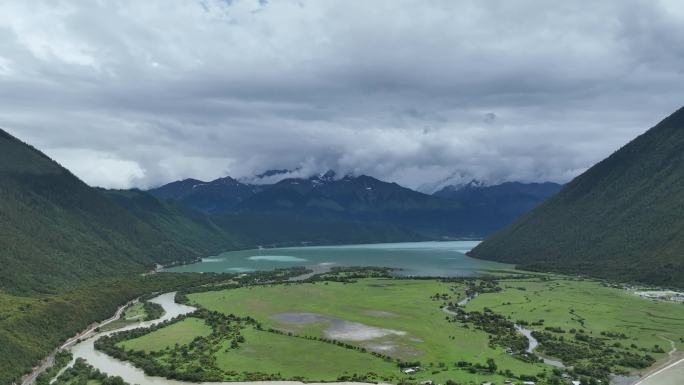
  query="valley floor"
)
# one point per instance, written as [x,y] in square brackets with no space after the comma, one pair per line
[395,331]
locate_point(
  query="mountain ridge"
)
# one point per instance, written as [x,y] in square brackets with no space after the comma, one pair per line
[620,219]
[363,198]
[52,221]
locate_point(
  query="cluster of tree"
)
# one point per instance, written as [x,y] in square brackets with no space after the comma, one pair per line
[492,368]
[594,357]
[502,331]
[368,378]
[81,373]
[554,329]
[61,360]
[349,274]
[152,310]
[481,286]
[615,335]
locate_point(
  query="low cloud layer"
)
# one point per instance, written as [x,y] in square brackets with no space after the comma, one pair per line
[424,93]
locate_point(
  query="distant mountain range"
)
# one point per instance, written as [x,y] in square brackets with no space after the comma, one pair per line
[219,195]
[472,210]
[621,219]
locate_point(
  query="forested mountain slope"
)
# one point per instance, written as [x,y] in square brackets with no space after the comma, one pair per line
[491,208]
[55,231]
[194,229]
[210,233]
[621,219]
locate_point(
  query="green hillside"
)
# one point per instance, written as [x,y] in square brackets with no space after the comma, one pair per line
[293,230]
[622,219]
[209,234]
[57,232]
[193,229]
[32,327]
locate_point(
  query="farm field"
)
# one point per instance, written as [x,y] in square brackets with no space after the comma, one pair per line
[327,331]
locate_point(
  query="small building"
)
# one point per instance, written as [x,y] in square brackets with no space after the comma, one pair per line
[409,371]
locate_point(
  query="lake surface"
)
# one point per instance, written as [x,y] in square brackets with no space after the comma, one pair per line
[444,259]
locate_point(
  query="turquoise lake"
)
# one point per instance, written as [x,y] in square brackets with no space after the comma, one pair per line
[444,259]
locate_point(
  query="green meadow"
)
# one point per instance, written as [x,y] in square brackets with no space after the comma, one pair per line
[402,320]
[179,333]
[298,358]
[404,306]
[591,306]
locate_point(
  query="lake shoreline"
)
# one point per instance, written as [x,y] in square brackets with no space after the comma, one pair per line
[414,259]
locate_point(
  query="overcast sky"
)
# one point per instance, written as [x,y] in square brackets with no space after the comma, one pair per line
[139,93]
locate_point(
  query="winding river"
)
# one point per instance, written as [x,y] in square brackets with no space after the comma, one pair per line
[526,332]
[86,350]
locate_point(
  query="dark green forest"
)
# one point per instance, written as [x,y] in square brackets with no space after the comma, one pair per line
[32,327]
[57,232]
[621,219]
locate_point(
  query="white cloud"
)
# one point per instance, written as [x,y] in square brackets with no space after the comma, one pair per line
[403,90]
[100,169]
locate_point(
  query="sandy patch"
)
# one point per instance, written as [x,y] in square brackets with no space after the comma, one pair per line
[339,329]
[356,331]
[385,347]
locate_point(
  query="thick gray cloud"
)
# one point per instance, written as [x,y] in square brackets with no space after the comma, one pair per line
[138,93]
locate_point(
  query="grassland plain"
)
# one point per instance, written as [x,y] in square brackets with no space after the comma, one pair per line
[403,319]
[403,306]
[272,353]
[589,305]
[179,333]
